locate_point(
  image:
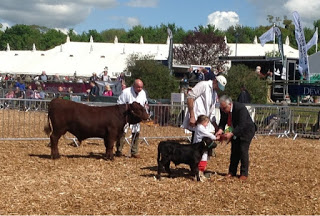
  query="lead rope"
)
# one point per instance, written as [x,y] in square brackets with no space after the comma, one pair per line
[126,113]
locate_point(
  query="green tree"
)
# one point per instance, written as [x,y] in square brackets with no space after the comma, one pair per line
[287,23]
[240,34]
[109,35]
[51,39]
[133,35]
[156,77]
[73,36]
[239,75]
[158,34]
[20,37]
[200,48]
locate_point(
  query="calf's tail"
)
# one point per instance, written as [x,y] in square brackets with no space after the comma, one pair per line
[159,153]
[158,176]
[47,128]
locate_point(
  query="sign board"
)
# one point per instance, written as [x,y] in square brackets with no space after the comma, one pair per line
[177,97]
[304,90]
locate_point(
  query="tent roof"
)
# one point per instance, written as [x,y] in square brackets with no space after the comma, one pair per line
[84,58]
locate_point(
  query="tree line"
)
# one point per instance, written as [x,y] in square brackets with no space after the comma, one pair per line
[22,37]
[202,45]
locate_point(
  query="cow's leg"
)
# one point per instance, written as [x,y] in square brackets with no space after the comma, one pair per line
[195,171]
[160,167]
[166,164]
[109,143]
[54,138]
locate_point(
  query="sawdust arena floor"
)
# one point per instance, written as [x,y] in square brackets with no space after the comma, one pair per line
[284,179]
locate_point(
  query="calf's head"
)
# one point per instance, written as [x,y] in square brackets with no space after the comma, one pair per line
[209,143]
[137,113]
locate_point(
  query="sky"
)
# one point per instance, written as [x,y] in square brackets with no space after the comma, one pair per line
[85,15]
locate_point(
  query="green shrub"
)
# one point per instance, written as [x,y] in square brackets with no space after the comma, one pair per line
[239,75]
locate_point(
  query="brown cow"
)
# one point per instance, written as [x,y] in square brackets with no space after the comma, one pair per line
[85,121]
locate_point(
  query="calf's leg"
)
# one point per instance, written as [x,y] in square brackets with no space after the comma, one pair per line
[167,168]
[164,162]
[195,171]
[54,138]
[109,143]
[160,166]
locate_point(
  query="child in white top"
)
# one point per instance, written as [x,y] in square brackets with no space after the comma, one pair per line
[200,132]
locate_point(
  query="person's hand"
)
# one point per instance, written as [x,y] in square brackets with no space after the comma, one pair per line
[192,122]
[218,138]
[228,135]
[219,132]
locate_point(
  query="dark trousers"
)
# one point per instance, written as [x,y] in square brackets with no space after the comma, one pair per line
[239,153]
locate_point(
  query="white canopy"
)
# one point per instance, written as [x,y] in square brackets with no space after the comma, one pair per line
[84,58]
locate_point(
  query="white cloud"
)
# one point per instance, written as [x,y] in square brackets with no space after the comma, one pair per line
[52,14]
[4,26]
[132,21]
[308,10]
[64,30]
[143,3]
[222,19]
[127,21]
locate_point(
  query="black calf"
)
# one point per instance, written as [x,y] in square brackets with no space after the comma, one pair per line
[182,153]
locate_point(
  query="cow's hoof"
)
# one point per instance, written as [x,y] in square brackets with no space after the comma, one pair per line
[108,157]
[54,157]
[158,177]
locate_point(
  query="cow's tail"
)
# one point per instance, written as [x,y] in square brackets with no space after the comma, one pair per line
[47,128]
[159,153]
[158,176]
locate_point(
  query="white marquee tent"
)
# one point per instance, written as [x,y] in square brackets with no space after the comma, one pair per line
[84,58]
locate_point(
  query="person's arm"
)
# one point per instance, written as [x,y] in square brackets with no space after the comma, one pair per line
[193,94]
[123,97]
[222,123]
[190,102]
[203,132]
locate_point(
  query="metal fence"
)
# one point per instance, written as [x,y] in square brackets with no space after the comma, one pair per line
[24,119]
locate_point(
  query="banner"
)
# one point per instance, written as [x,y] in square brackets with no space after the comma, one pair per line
[267,36]
[280,47]
[301,41]
[313,40]
[312,90]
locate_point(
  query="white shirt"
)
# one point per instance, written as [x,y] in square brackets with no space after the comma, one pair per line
[128,95]
[205,100]
[199,133]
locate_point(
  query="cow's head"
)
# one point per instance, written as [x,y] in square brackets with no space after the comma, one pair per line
[136,113]
[209,143]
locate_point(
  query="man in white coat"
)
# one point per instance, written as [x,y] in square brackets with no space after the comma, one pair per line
[129,95]
[201,100]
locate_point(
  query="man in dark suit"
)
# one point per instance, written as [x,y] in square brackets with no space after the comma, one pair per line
[242,131]
[244,96]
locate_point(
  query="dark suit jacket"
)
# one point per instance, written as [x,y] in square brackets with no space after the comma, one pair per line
[244,97]
[243,126]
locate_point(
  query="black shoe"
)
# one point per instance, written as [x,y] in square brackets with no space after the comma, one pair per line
[136,156]
[119,154]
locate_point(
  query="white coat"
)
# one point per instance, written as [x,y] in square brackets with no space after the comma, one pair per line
[128,95]
[199,133]
[205,101]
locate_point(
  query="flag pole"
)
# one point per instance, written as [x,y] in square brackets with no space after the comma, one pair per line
[274,39]
[317,40]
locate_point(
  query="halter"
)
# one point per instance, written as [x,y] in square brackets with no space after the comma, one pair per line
[211,144]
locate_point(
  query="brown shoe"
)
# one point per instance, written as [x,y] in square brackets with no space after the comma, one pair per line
[243,178]
[136,156]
